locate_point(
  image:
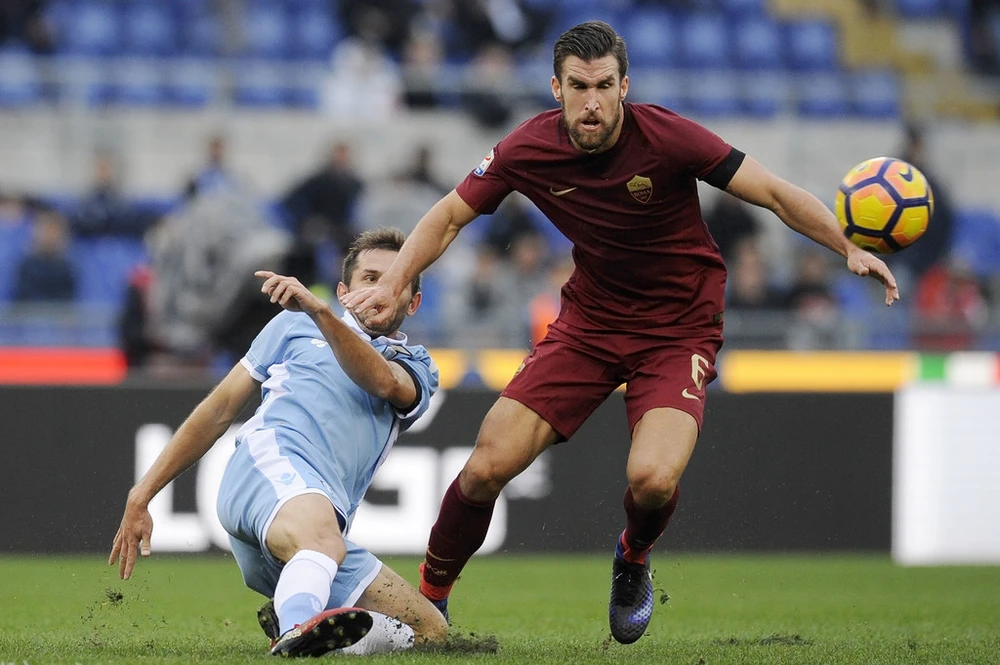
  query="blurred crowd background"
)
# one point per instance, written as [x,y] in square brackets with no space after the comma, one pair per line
[153,153]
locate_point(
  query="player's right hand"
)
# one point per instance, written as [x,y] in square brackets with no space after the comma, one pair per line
[132,538]
[375,305]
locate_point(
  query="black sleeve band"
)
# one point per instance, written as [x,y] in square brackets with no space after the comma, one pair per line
[727,168]
[416,384]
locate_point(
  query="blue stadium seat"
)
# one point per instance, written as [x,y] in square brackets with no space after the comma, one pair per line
[303,90]
[920,8]
[744,7]
[812,46]
[704,41]
[315,32]
[651,37]
[876,94]
[765,94]
[713,94]
[139,82]
[84,81]
[20,82]
[200,34]
[571,14]
[191,83]
[671,92]
[15,239]
[90,27]
[148,29]
[104,265]
[259,84]
[266,31]
[823,95]
[757,44]
[977,239]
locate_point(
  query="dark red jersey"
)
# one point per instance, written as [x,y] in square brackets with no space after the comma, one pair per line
[645,260]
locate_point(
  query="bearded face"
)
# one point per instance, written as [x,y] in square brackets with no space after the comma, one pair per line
[590,93]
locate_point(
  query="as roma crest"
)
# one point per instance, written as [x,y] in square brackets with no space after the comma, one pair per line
[641,188]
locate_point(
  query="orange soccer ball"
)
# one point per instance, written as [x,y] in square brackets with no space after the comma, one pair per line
[884,205]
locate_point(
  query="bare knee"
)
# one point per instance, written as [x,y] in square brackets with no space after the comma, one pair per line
[653,487]
[484,477]
[430,629]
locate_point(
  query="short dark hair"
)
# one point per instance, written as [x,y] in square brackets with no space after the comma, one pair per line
[383,237]
[590,41]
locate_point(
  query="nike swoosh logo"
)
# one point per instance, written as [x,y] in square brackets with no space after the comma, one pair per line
[906,175]
[685,393]
[561,192]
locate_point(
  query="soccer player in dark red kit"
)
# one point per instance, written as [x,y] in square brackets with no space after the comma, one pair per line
[644,306]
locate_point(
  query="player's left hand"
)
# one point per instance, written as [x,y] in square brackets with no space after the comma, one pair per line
[290,293]
[866,264]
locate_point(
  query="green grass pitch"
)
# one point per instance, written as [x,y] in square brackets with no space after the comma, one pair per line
[809,609]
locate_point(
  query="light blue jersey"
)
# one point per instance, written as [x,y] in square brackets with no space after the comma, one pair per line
[315,430]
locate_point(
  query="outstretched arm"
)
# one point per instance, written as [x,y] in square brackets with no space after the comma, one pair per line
[366,366]
[209,421]
[428,240]
[803,212]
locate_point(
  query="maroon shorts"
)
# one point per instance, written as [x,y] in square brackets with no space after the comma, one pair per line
[571,372]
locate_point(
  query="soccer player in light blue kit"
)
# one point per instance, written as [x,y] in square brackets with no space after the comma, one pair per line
[336,394]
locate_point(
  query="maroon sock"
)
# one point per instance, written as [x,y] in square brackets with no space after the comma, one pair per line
[459,531]
[643,526]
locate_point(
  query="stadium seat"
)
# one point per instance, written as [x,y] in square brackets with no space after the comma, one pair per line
[259,84]
[876,94]
[651,38]
[977,239]
[314,33]
[920,8]
[811,46]
[89,27]
[266,31]
[303,90]
[713,94]
[823,95]
[191,83]
[764,94]
[148,28]
[200,34]
[15,239]
[20,83]
[103,267]
[704,41]
[741,8]
[139,82]
[84,81]
[671,92]
[757,44]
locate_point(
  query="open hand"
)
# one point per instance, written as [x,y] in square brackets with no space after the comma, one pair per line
[290,293]
[374,305]
[132,537]
[867,264]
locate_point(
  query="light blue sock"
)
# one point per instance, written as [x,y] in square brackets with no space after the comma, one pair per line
[303,588]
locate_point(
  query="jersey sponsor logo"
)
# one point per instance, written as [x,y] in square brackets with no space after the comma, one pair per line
[319,344]
[641,188]
[561,192]
[485,164]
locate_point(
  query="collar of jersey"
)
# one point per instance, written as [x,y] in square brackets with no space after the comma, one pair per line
[352,323]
